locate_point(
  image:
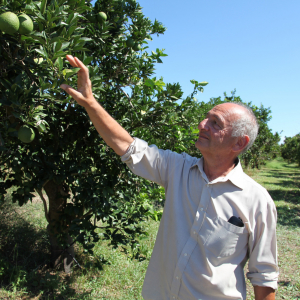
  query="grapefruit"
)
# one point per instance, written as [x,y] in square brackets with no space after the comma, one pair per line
[26,134]
[102,17]
[9,22]
[26,24]
[136,47]
[130,42]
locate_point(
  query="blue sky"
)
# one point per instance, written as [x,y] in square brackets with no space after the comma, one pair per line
[251,46]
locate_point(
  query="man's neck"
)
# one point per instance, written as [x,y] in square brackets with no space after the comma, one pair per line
[217,168]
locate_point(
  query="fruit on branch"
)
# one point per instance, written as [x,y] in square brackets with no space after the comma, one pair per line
[26,134]
[9,23]
[26,24]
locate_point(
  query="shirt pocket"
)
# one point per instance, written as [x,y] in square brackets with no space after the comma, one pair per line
[223,239]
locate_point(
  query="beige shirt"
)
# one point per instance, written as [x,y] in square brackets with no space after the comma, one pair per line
[197,253]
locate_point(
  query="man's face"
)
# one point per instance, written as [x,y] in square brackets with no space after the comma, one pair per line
[215,130]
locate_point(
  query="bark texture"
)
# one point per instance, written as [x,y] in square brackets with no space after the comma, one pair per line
[60,250]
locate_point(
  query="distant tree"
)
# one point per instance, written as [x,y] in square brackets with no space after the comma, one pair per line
[290,150]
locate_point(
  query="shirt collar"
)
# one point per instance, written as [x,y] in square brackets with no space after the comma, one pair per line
[235,176]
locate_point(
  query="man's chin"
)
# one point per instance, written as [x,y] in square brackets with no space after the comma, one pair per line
[199,145]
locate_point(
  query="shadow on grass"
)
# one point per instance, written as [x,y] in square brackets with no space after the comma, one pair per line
[24,260]
[290,181]
[291,166]
[288,191]
[279,174]
[287,216]
[287,196]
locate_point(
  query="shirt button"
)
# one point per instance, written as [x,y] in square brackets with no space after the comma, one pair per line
[177,277]
[194,232]
[201,209]
[185,254]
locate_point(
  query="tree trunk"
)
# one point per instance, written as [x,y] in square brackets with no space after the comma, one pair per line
[58,227]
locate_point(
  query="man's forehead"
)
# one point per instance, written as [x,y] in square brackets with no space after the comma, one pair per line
[214,113]
[227,110]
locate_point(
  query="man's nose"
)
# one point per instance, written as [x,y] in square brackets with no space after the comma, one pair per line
[203,125]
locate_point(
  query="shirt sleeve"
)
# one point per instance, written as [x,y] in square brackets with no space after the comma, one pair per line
[263,265]
[150,162]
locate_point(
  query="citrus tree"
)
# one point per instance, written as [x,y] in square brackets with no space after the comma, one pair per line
[290,150]
[49,146]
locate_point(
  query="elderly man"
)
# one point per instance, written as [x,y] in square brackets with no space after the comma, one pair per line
[215,216]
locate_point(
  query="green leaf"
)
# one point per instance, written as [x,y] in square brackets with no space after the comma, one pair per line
[39,39]
[29,7]
[71,30]
[69,72]
[59,63]
[203,83]
[40,16]
[41,126]
[65,45]
[43,6]
[49,15]
[55,39]
[58,46]
[71,16]
[17,115]
[80,48]
[87,60]
[149,82]
[42,52]
[85,39]
[59,54]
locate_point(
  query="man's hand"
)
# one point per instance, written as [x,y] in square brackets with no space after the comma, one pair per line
[83,95]
[264,293]
[110,130]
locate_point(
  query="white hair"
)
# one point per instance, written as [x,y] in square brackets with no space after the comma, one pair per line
[246,124]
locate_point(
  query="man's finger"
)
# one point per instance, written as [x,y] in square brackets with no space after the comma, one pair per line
[76,62]
[80,64]
[84,72]
[71,59]
[72,92]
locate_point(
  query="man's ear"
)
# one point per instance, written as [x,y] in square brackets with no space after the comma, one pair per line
[241,143]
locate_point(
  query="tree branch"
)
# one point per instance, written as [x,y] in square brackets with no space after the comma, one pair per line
[45,203]
[1,144]
[126,95]
[88,213]
[46,182]
[121,91]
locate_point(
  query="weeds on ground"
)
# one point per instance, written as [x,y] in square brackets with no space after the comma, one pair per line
[24,262]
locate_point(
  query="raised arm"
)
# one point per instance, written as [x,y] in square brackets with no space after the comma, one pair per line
[109,129]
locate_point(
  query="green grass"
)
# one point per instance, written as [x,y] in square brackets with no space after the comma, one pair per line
[110,273]
[282,180]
